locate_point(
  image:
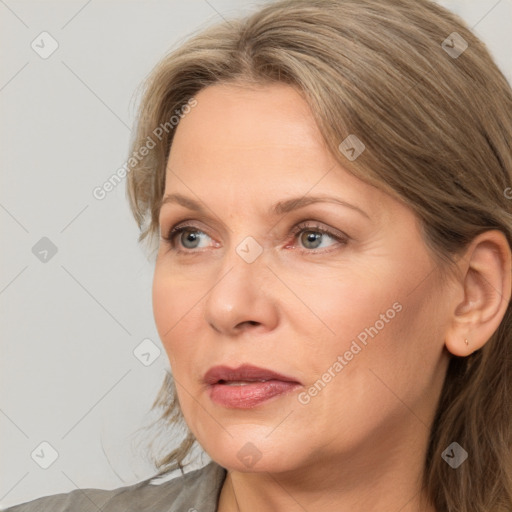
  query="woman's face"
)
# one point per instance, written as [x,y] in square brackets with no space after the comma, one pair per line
[354,315]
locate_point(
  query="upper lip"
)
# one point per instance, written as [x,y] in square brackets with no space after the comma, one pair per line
[245,372]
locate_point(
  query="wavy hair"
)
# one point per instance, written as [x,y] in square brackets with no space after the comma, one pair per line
[437,128]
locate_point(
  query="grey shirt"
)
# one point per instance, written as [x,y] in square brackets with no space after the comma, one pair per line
[195,491]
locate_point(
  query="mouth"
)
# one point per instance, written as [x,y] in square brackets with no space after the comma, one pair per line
[246,386]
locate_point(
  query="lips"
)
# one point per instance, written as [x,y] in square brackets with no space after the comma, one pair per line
[244,373]
[246,386]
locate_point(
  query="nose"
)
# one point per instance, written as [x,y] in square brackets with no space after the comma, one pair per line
[244,297]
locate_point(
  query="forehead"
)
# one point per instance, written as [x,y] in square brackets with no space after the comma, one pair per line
[256,142]
[229,117]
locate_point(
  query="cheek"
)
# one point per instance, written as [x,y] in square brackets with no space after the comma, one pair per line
[352,307]
[176,308]
[390,348]
[381,338]
[173,311]
[163,297]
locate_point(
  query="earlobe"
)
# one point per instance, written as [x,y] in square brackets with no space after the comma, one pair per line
[485,285]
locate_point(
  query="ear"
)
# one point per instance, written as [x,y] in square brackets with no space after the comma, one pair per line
[485,288]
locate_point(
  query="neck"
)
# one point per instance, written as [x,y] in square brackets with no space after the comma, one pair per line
[268,492]
[373,480]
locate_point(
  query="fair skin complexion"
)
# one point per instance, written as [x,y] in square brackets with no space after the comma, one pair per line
[358,444]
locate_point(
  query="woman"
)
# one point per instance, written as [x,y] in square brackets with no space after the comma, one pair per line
[330,183]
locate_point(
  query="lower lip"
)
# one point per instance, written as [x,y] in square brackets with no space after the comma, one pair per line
[250,395]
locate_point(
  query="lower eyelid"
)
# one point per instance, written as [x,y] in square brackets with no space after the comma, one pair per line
[175,232]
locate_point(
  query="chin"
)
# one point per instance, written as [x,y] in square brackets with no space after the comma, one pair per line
[246,456]
[270,465]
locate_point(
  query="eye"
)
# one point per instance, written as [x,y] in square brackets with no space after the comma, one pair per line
[189,241]
[310,236]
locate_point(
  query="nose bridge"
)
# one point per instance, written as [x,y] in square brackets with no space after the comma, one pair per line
[238,295]
[246,236]
[242,268]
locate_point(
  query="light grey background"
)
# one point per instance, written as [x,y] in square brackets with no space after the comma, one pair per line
[70,325]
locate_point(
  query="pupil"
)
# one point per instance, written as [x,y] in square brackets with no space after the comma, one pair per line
[312,236]
[190,236]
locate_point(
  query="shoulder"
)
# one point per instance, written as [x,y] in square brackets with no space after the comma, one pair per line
[195,490]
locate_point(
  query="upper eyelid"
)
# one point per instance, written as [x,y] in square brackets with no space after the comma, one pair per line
[296,212]
[303,225]
[190,223]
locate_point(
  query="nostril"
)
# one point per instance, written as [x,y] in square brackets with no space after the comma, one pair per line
[247,322]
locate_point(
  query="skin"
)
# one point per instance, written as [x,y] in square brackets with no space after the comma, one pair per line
[359,444]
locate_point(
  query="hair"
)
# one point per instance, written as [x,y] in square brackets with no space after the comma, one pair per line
[437,131]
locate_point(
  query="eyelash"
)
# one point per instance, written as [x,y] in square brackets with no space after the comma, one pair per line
[177,230]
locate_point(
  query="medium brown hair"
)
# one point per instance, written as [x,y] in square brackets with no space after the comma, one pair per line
[437,130]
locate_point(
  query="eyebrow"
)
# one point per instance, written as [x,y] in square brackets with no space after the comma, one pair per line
[279,208]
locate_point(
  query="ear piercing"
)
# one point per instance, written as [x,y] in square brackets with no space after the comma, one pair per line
[466,341]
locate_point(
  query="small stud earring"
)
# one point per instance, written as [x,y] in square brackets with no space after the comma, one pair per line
[466,341]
